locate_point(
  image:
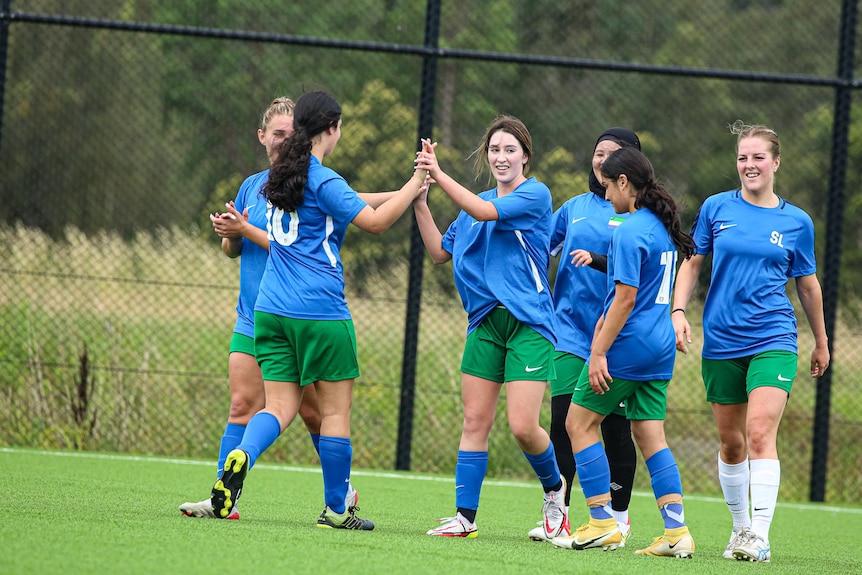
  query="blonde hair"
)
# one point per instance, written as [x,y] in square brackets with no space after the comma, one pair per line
[281,106]
[743,130]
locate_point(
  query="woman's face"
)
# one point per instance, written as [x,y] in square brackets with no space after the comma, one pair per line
[506,157]
[280,128]
[756,165]
[603,149]
[618,193]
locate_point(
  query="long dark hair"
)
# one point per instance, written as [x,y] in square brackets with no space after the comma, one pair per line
[315,112]
[650,193]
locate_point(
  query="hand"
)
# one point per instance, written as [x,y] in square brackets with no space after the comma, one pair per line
[600,377]
[819,361]
[231,223]
[581,258]
[426,158]
[682,329]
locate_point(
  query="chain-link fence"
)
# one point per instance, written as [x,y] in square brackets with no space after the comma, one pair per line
[125,124]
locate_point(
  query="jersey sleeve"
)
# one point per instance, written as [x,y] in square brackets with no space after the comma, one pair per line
[559,225]
[524,207]
[804,263]
[339,200]
[701,230]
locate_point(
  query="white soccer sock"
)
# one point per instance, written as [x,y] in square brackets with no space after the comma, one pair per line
[621,516]
[765,479]
[734,480]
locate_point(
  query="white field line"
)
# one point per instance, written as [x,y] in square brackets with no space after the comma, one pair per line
[383,474]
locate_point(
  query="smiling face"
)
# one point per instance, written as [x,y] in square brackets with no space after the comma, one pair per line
[506,158]
[279,128]
[756,165]
[603,149]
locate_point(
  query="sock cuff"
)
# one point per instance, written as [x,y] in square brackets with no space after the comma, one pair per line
[472,455]
[589,454]
[541,457]
[339,440]
[660,460]
[732,468]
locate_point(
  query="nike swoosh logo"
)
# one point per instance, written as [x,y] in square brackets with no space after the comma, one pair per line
[761,508]
[782,378]
[725,226]
[529,369]
[250,207]
[475,222]
[576,220]
[672,545]
[577,389]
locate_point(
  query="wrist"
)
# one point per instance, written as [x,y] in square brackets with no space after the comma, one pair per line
[682,309]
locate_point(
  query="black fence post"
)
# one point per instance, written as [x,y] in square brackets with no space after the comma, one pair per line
[417,249]
[5,14]
[835,220]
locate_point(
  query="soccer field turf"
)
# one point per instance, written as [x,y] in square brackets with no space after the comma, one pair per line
[71,512]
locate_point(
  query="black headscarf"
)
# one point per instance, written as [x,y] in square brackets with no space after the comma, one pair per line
[623,137]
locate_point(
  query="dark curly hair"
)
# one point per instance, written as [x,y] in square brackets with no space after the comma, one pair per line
[315,112]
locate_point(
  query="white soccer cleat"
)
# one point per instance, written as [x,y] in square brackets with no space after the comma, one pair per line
[457,526]
[204,509]
[752,547]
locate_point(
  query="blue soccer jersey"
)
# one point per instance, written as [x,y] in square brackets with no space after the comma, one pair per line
[755,250]
[505,262]
[584,222]
[304,276]
[642,255]
[252,257]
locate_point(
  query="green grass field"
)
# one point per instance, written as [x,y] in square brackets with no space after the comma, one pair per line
[76,512]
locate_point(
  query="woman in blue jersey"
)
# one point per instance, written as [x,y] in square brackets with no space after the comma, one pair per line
[243,231]
[582,228]
[498,245]
[632,357]
[303,329]
[758,241]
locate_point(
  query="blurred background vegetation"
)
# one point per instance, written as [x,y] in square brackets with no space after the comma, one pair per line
[124,124]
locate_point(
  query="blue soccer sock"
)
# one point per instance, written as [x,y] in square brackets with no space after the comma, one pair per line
[545,466]
[336,455]
[315,439]
[594,473]
[232,437]
[261,432]
[469,474]
[664,475]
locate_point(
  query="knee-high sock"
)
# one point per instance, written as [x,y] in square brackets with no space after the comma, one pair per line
[622,458]
[765,479]
[469,474]
[336,455]
[261,432]
[595,476]
[315,440]
[562,443]
[545,466]
[734,480]
[232,437]
[664,475]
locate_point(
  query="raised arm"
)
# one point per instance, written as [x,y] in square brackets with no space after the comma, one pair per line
[481,210]
[377,220]
[431,236]
[232,226]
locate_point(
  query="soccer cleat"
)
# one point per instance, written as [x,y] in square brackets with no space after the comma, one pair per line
[457,526]
[752,547]
[228,488]
[674,543]
[736,537]
[352,499]
[329,519]
[625,532]
[204,509]
[555,520]
[598,533]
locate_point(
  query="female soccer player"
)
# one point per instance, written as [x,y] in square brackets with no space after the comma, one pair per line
[303,329]
[243,231]
[498,245]
[632,357]
[582,228]
[758,241]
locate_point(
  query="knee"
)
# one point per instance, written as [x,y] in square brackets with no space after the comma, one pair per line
[244,405]
[310,417]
